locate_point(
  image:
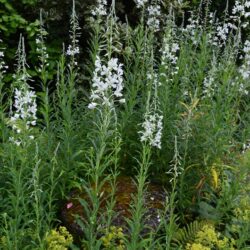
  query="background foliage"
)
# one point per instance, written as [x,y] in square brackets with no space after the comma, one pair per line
[22,16]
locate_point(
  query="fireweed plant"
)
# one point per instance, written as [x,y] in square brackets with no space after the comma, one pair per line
[159,101]
[106,94]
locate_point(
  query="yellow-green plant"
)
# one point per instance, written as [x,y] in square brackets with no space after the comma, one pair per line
[208,238]
[113,239]
[3,243]
[187,234]
[58,239]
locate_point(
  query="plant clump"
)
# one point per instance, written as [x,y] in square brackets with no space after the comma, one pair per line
[59,239]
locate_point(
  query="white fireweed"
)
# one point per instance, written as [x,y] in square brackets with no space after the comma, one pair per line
[240,8]
[140,3]
[107,83]
[153,77]
[193,29]
[100,8]
[24,115]
[244,70]
[245,147]
[222,32]
[176,166]
[73,48]
[152,129]
[209,84]
[238,20]
[169,55]
[23,111]
[153,119]
[72,51]
[3,66]
[41,48]
[154,13]
[25,108]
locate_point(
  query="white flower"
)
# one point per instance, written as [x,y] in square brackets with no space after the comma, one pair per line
[25,111]
[208,89]
[246,48]
[107,83]
[73,48]
[72,51]
[176,166]
[33,123]
[140,3]
[154,14]
[244,70]
[169,56]
[100,9]
[158,218]
[122,100]
[175,47]
[153,120]
[245,146]
[3,66]
[41,48]
[25,108]
[238,8]
[92,105]
[16,142]
[193,29]
[247,4]
[244,73]
[152,129]
[240,14]
[209,82]
[222,31]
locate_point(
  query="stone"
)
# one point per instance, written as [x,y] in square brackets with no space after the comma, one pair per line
[154,202]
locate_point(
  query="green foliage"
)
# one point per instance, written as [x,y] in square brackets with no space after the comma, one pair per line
[181,118]
[11,21]
[59,239]
[113,239]
[187,234]
[208,238]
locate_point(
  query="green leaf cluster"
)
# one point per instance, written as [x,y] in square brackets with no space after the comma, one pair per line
[11,20]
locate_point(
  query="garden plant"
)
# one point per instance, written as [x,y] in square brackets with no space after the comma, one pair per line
[141,140]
